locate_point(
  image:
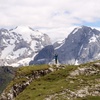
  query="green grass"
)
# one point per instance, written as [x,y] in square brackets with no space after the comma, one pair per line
[27,70]
[52,83]
[23,72]
[56,82]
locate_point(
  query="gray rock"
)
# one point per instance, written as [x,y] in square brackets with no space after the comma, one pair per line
[44,56]
[82,45]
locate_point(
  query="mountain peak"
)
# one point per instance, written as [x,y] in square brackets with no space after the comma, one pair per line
[22,29]
[86,27]
[82,29]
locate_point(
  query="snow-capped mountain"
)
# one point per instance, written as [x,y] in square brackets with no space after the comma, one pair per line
[19,45]
[82,45]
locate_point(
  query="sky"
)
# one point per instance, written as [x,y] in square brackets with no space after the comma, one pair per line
[57,18]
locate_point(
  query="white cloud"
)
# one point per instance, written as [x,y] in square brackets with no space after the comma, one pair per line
[55,17]
[57,34]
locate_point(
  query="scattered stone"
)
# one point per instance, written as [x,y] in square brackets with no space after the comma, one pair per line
[71,81]
[97,65]
[85,71]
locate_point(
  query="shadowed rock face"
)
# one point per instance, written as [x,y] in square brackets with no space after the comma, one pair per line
[97,65]
[44,56]
[7,73]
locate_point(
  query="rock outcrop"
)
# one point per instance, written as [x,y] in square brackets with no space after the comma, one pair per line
[91,88]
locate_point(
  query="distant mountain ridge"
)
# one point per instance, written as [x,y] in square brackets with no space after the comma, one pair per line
[19,45]
[82,45]
[23,46]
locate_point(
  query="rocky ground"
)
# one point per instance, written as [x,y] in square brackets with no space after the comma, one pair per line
[55,82]
[90,89]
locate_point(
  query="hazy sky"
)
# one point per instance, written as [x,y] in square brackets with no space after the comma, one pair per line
[57,18]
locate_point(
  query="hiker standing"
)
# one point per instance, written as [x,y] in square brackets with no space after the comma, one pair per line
[56,58]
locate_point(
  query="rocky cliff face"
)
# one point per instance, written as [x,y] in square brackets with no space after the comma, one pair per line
[44,56]
[18,46]
[82,45]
